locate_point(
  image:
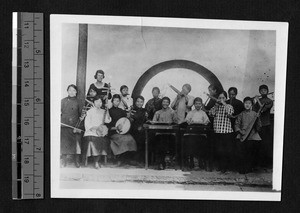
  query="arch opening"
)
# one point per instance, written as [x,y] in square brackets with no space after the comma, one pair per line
[173,64]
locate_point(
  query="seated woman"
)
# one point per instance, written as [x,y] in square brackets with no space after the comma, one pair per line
[195,144]
[164,146]
[122,145]
[95,141]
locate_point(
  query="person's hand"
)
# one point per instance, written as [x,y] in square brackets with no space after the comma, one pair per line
[242,132]
[119,128]
[94,128]
[223,102]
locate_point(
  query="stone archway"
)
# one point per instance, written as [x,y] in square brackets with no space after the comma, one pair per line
[154,70]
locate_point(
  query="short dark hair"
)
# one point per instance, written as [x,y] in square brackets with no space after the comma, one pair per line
[156,88]
[139,97]
[234,90]
[166,98]
[122,87]
[214,87]
[116,96]
[263,87]
[197,99]
[72,85]
[100,72]
[248,99]
[224,93]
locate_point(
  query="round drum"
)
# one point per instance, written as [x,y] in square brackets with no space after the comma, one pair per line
[123,126]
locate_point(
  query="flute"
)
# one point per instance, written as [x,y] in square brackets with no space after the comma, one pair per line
[176,90]
[270,93]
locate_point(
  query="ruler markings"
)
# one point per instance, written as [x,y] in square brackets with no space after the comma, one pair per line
[29,157]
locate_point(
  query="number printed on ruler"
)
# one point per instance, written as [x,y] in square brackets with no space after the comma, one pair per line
[32,105]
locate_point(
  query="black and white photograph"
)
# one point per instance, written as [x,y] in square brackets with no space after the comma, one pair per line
[167,108]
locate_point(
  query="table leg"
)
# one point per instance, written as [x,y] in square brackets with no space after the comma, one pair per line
[182,151]
[146,148]
[176,147]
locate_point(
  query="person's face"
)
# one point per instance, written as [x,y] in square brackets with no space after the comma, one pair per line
[165,104]
[155,93]
[100,77]
[185,90]
[247,105]
[263,92]
[72,92]
[232,94]
[139,103]
[116,102]
[198,105]
[98,103]
[124,91]
[222,97]
[211,91]
[92,93]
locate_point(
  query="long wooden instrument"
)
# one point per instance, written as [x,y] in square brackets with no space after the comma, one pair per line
[251,125]
[83,114]
[270,93]
[213,98]
[72,127]
[102,130]
[176,90]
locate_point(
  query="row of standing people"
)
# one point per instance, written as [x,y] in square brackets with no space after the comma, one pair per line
[222,114]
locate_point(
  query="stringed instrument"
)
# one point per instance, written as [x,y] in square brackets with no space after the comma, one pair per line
[102,129]
[86,107]
[251,125]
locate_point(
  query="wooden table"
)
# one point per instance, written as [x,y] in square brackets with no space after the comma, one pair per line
[161,128]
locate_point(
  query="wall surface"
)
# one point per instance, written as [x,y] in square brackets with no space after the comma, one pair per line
[241,58]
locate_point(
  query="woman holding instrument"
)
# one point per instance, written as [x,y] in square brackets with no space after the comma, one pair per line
[126,101]
[99,86]
[138,117]
[122,145]
[223,132]
[213,96]
[70,138]
[154,104]
[237,105]
[95,141]
[266,155]
[183,102]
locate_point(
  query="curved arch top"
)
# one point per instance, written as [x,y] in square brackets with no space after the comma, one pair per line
[154,70]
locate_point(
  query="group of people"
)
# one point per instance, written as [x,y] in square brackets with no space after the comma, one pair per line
[240,138]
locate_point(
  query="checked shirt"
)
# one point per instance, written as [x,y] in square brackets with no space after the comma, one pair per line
[221,113]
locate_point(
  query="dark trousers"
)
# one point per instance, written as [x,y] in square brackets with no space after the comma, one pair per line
[162,145]
[247,155]
[224,151]
[195,146]
[139,137]
[266,148]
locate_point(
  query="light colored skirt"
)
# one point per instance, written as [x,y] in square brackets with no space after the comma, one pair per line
[94,146]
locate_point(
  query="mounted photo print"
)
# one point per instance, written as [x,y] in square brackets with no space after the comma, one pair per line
[167,108]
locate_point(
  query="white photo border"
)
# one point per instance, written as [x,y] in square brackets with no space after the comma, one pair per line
[281,29]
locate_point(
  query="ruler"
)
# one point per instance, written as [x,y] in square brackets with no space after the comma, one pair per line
[28,107]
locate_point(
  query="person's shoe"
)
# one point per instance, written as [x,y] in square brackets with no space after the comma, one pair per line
[161,166]
[119,163]
[97,166]
[77,164]
[63,163]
